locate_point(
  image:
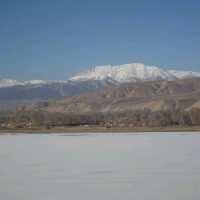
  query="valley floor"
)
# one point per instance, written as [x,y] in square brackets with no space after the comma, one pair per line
[99,129]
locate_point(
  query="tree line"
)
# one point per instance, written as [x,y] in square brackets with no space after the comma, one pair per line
[138,118]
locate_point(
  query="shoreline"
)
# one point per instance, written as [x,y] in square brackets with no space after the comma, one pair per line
[99,129]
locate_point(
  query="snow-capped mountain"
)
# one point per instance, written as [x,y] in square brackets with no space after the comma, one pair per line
[125,73]
[10,82]
[132,73]
[98,78]
[184,74]
[111,74]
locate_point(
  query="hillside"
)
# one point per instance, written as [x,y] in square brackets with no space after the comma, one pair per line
[154,95]
[143,104]
[47,91]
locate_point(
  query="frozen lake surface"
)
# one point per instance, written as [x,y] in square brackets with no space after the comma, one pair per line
[149,166]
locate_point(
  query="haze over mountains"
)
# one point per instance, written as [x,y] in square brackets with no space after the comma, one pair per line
[89,81]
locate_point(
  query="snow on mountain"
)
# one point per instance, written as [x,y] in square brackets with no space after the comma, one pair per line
[184,74]
[112,74]
[11,83]
[132,72]
[36,82]
[125,73]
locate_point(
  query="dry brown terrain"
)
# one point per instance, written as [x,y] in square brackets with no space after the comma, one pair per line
[152,106]
[155,95]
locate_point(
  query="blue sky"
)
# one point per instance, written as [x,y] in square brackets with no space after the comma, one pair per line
[46,39]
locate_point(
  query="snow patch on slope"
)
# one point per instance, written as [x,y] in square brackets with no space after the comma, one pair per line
[184,74]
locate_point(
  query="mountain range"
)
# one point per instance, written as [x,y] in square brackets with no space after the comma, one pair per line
[181,94]
[97,78]
[131,95]
[112,73]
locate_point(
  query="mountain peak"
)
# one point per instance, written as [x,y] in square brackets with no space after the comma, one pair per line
[125,73]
